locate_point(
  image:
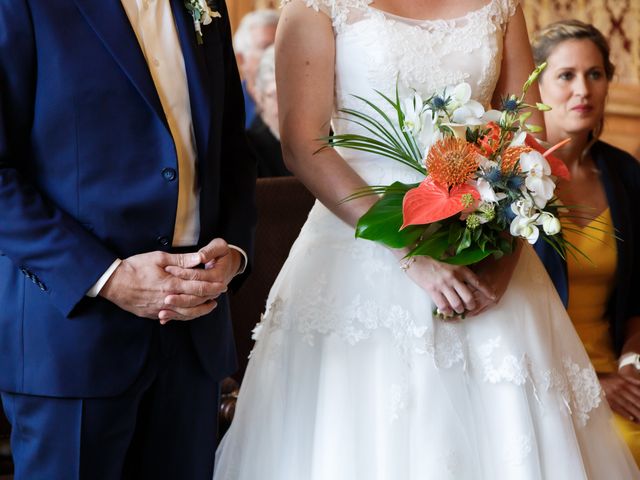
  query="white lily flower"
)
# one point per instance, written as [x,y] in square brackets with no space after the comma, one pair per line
[550,224]
[524,227]
[487,194]
[413,110]
[429,133]
[459,130]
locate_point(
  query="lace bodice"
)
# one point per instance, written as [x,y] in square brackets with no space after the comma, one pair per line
[376,50]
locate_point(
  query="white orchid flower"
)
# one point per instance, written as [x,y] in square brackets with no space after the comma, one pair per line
[534,163]
[518,139]
[538,182]
[458,95]
[470,113]
[491,116]
[524,208]
[550,224]
[487,194]
[540,188]
[413,110]
[524,227]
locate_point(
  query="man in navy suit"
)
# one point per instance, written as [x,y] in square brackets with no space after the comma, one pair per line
[126,192]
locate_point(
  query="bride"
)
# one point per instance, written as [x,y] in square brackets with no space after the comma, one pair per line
[351,377]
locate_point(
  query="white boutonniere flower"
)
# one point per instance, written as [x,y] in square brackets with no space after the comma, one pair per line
[202,14]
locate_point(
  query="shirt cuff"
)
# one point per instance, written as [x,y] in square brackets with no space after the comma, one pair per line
[245,260]
[95,290]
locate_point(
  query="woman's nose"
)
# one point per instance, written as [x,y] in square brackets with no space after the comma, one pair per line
[581,86]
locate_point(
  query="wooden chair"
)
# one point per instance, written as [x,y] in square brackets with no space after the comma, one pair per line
[283,206]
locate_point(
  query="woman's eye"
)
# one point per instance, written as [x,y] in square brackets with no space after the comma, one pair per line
[565,76]
[595,75]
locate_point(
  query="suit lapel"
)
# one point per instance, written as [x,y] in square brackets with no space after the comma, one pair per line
[109,20]
[197,74]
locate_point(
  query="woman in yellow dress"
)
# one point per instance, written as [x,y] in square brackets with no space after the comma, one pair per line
[602,295]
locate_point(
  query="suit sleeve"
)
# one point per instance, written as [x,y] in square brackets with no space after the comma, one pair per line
[238,212]
[47,244]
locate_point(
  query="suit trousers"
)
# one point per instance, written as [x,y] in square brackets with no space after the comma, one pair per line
[163,427]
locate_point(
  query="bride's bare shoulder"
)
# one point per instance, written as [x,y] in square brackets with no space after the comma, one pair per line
[337,10]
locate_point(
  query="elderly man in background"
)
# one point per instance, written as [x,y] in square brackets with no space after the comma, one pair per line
[256,31]
[264,132]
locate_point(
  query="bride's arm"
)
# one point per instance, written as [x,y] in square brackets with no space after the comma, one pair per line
[517,65]
[305,56]
[305,59]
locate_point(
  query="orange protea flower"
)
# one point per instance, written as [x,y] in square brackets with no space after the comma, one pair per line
[510,157]
[452,161]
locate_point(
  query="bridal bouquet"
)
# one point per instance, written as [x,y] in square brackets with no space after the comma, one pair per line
[487,181]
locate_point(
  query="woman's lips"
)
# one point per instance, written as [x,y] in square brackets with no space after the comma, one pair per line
[582,108]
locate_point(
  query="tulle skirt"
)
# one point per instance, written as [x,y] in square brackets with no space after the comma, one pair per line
[352,378]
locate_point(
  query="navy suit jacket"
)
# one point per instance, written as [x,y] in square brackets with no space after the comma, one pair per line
[88,173]
[620,176]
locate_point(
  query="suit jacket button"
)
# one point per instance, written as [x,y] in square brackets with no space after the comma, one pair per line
[169,174]
[163,241]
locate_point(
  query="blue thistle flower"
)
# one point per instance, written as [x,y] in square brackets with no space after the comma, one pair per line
[493,175]
[514,182]
[510,104]
[439,103]
[505,214]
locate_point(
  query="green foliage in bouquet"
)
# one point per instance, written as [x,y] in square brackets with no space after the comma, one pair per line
[486,181]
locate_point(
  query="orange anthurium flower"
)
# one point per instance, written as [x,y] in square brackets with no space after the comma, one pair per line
[430,202]
[558,168]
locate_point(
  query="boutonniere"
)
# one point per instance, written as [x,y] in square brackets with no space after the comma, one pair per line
[202,14]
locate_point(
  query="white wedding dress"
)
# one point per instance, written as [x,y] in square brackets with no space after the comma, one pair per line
[352,379]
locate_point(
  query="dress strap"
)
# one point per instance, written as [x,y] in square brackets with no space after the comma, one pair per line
[338,10]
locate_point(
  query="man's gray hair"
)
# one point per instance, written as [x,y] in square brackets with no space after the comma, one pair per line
[243,39]
[267,69]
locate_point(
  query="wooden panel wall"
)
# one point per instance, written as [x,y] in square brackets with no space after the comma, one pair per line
[238,8]
[619,20]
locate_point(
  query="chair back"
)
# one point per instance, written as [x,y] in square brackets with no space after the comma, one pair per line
[283,205]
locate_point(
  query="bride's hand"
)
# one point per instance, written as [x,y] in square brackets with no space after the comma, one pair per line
[497,274]
[452,288]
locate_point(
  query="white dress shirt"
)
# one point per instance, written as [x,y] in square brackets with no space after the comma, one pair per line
[154,26]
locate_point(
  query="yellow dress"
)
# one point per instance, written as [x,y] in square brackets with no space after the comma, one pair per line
[590,287]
